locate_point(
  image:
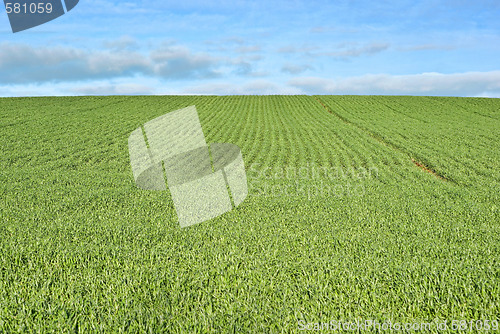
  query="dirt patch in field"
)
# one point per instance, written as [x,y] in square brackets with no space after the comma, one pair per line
[327,109]
[384,142]
[427,169]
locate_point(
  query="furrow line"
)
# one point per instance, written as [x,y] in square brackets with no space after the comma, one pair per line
[382,141]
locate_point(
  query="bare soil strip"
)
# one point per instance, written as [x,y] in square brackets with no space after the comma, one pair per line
[382,141]
[427,169]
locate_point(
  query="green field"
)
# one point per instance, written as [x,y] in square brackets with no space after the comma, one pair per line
[359,207]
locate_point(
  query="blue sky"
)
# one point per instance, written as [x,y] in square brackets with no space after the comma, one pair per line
[102,47]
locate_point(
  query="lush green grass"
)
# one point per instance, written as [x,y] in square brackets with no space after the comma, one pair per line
[374,237]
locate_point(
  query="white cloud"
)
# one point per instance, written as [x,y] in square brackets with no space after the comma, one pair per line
[331,29]
[248,49]
[356,51]
[172,61]
[20,63]
[125,42]
[489,94]
[299,50]
[122,86]
[343,51]
[458,84]
[110,89]
[295,69]
[426,47]
[255,87]
[475,84]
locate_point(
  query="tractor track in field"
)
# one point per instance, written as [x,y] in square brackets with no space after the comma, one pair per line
[418,164]
[427,169]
